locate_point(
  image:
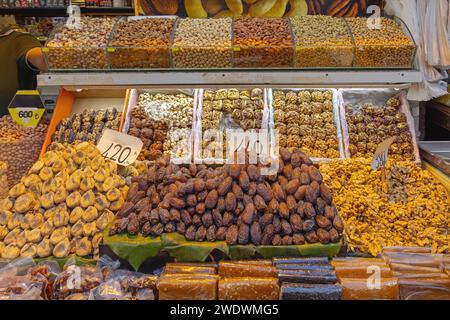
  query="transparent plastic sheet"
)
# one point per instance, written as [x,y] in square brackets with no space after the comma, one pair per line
[424,288]
[377,97]
[361,268]
[226,123]
[336,117]
[187,287]
[229,269]
[408,261]
[187,143]
[358,289]
[246,288]
[175,268]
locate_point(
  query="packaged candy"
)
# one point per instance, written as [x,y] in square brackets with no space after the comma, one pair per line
[228,269]
[187,287]
[248,288]
[297,291]
[362,289]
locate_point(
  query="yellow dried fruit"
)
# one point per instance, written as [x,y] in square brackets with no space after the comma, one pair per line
[44,248]
[73,200]
[87,184]
[45,174]
[62,249]
[24,203]
[84,247]
[113,195]
[87,199]
[28,251]
[17,190]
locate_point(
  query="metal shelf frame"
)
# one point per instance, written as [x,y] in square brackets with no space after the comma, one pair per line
[230,78]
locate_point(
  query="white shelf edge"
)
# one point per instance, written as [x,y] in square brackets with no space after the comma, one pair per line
[277,78]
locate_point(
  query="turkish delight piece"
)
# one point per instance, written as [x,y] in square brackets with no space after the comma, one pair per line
[188,287]
[228,269]
[297,291]
[365,289]
[249,289]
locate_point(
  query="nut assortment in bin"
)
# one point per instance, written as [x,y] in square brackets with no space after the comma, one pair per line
[143,43]
[385,47]
[322,41]
[262,42]
[227,109]
[82,47]
[307,119]
[202,43]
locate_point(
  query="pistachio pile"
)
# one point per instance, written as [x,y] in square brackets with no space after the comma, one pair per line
[226,109]
[305,119]
[410,209]
[142,43]
[62,205]
[233,203]
[384,47]
[322,41]
[20,147]
[87,126]
[81,47]
[369,125]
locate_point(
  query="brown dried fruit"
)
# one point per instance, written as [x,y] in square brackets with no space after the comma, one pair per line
[234,170]
[201,196]
[298,239]
[186,217]
[248,213]
[126,209]
[190,233]
[323,235]
[300,193]
[285,154]
[225,186]
[207,219]
[284,210]
[230,202]
[329,213]
[296,223]
[308,225]
[286,240]
[265,220]
[310,195]
[304,178]
[287,171]
[191,200]
[221,233]
[164,215]
[247,199]
[320,206]
[237,190]
[175,215]
[144,216]
[264,191]
[228,219]
[292,186]
[252,188]
[260,204]
[308,210]
[157,230]
[244,180]
[200,235]
[267,235]
[217,217]
[286,227]
[244,234]
[232,235]
[181,227]
[296,160]
[211,233]
[255,233]
[312,237]
[325,194]
[334,235]
[199,185]
[170,227]
[274,206]
[132,191]
[291,203]
[221,205]
[211,199]
[338,224]
[276,224]
[314,174]
[197,220]
[278,192]
[177,203]
[253,172]
[276,241]
[146,229]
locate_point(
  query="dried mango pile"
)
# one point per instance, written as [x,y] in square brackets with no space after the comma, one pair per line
[410,209]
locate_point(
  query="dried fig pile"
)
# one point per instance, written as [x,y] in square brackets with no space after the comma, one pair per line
[62,205]
[234,203]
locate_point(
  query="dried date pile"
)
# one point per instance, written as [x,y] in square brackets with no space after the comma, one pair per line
[369,125]
[234,203]
[305,119]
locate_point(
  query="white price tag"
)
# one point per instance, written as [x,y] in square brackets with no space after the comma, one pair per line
[119,147]
[380,156]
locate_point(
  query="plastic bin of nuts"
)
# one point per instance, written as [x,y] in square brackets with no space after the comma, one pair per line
[307,119]
[163,119]
[82,47]
[222,110]
[262,43]
[390,46]
[202,43]
[322,42]
[142,43]
[369,116]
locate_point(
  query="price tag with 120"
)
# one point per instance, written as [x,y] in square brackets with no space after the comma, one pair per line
[119,147]
[380,156]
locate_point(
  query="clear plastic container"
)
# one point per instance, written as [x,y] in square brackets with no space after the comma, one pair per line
[329,46]
[392,46]
[262,43]
[141,43]
[82,48]
[202,44]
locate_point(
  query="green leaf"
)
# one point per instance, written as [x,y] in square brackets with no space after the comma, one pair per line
[79,261]
[242,252]
[189,251]
[134,249]
[305,250]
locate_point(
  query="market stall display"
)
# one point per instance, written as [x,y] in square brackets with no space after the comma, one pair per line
[322,42]
[407,208]
[307,119]
[386,46]
[62,205]
[87,126]
[370,116]
[3,180]
[202,43]
[20,147]
[163,121]
[80,48]
[222,110]
[141,44]
[262,43]
[234,203]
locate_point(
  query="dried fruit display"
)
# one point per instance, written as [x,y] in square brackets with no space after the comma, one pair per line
[176,110]
[62,205]
[322,42]
[412,209]
[87,126]
[234,203]
[83,47]
[20,147]
[305,119]
[202,43]
[262,43]
[369,124]
[3,180]
[143,43]
[228,109]
[384,47]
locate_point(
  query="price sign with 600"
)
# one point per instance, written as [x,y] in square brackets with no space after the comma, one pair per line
[27,114]
[119,147]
